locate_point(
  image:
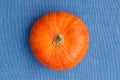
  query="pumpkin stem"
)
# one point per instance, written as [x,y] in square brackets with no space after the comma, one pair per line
[58,39]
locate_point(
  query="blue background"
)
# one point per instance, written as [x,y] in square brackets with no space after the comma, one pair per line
[102,18]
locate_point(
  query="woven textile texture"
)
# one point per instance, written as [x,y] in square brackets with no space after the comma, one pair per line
[102,18]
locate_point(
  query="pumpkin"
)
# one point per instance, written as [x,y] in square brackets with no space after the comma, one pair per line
[59,40]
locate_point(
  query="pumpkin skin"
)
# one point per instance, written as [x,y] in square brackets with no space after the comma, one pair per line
[59,40]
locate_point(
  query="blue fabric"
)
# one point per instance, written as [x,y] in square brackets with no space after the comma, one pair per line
[102,18]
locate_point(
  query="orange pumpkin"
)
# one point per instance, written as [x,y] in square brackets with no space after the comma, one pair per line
[59,40]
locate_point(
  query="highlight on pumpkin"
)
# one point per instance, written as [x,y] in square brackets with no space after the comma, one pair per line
[59,40]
